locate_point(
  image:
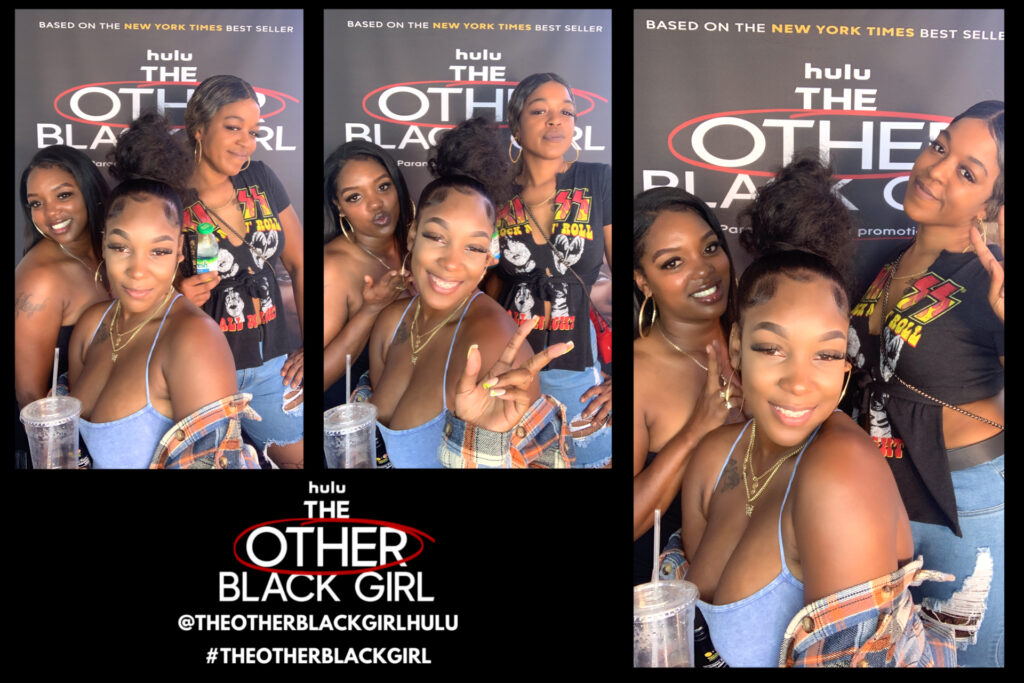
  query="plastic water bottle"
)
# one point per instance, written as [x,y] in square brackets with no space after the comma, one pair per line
[206,249]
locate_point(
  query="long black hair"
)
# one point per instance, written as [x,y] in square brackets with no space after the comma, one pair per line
[91,183]
[646,208]
[365,151]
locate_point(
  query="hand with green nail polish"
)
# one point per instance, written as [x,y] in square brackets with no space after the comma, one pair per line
[508,389]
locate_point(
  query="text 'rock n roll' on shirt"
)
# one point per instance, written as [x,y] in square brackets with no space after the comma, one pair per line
[943,338]
[247,302]
[532,274]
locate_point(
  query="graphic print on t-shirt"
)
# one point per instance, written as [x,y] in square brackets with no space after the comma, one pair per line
[927,299]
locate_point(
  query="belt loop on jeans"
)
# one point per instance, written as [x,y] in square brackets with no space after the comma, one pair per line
[976,453]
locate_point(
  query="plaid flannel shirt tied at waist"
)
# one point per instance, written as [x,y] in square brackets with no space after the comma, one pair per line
[872,624]
[540,440]
[209,438]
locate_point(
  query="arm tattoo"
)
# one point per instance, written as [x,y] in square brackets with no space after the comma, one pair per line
[731,475]
[22,304]
[401,335]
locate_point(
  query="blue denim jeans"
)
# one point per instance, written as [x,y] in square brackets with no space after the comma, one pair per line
[278,426]
[593,450]
[979,502]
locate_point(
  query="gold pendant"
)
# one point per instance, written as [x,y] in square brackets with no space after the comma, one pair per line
[414,359]
[113,357]
[750,509]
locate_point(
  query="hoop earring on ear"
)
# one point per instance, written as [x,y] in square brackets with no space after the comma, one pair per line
[38,230]
[577,148]
[510,151]
[247,161]
[96,276]
[346,228]
[640,318]
[849,374]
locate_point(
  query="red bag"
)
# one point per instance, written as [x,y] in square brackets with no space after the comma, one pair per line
[604,336]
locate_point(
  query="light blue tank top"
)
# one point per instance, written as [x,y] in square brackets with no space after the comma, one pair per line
[127,443]
[749,632]
[416,447]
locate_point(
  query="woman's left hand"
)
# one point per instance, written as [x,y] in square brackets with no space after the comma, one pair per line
[292,370]
[502,398]
[599,412]
[994,267]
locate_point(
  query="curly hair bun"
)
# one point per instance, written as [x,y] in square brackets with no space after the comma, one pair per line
[149,150]
[473,149]
[798,209]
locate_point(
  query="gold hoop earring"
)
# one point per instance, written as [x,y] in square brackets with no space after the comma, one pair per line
[247,161]
[346,228]
[510,151]
[640,318]
[38,230]
[197,152]
[96,276]
[849,374]
[577,148]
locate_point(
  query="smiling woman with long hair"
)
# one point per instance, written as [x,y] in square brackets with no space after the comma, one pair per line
[684,278]
[63,196]
[927,337]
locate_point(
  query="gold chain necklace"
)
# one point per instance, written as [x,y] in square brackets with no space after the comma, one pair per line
[118,346]
[415,340]
[382,261]
[758,485]
[686,353]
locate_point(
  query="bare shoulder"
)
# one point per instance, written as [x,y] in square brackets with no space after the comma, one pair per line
[843,463]
[39,273]
[710,455]
[188,330]
[490,327]
[344,267]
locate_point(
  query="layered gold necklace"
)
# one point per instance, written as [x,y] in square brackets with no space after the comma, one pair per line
[757,484]
[418,342]
[115,336]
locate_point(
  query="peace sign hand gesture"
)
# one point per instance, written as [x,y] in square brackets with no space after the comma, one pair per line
[994,267]
[502,398]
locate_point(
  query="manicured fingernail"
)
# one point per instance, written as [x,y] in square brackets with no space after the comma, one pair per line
[488,383]
[568,347]
[497,392]
[468,353]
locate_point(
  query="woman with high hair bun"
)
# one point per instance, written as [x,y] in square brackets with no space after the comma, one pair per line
[927,340]
[255,227]
[369,211]
[683,385]
[153,371]
[553,234]
[793,526]
[452,380]
[63,196]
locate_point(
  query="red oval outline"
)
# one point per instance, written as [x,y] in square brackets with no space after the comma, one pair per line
[415,533]
[275,94]
[798,113]
[585,94]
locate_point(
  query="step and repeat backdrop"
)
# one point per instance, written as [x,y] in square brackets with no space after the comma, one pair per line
[724,98]
[400,78]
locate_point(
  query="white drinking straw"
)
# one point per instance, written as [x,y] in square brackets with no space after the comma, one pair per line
[56,357]
[348,376]
[657,543]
